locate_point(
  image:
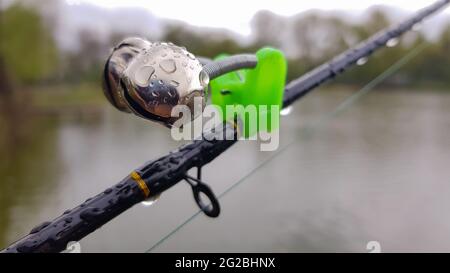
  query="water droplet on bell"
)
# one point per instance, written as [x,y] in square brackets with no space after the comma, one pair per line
[174,83]
[143,75]
[286,111]
[362,61]
[392,42]
[204,78]
[190,56]
[168,66]
[150,201]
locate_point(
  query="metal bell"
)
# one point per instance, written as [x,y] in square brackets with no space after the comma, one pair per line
[150,79]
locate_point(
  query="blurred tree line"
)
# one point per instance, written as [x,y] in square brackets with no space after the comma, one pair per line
[29,54]
[27,49]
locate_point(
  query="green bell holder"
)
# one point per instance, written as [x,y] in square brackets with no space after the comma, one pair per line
[262,86]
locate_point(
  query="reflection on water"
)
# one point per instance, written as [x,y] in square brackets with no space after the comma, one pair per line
[378,172]
[28,174]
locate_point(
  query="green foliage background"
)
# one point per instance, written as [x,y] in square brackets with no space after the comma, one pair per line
[27,48]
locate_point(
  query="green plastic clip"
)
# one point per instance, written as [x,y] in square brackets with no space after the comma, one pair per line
[249,91]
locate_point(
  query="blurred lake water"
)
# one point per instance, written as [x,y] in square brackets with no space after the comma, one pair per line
[377,172]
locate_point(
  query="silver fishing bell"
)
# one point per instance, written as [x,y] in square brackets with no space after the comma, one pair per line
[150,79]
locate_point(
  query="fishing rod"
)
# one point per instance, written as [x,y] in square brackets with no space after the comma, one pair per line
[131,86]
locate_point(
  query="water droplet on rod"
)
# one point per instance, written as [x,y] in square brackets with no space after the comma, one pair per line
[392,42]
[362,61]
[286,111]
[150,201]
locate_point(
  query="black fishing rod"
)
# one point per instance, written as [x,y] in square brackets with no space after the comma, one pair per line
[131,86]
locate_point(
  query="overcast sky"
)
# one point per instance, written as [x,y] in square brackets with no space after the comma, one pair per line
[236,14]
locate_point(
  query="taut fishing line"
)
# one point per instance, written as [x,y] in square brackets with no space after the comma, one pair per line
[344,105]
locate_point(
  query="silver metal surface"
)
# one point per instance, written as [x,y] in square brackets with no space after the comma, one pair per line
[149,79]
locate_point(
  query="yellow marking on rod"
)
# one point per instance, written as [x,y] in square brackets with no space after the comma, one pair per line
[141,183]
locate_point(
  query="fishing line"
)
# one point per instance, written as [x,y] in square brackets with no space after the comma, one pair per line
[321,121]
